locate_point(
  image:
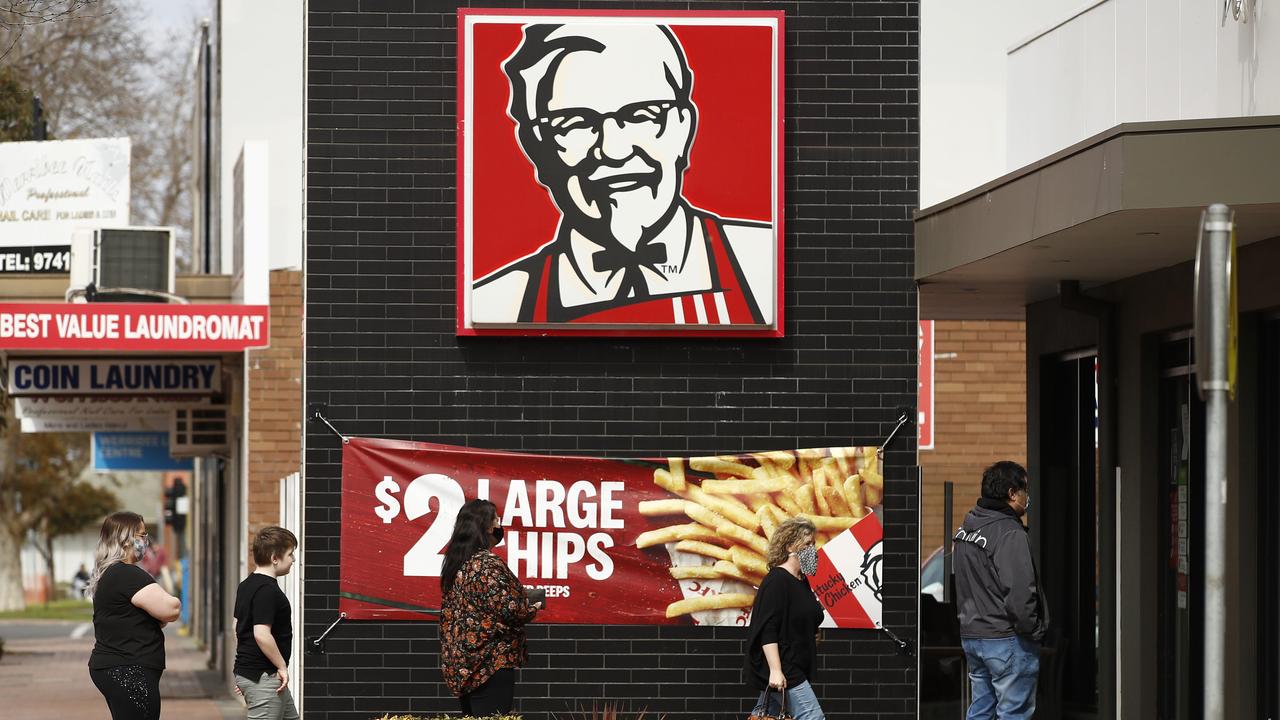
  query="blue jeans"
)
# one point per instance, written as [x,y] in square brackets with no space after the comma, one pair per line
[1003,673]
[802,704]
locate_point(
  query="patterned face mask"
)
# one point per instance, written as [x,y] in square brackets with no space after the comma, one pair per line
[140,545]
[808,557]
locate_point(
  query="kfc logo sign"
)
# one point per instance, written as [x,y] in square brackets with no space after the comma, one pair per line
[619,173]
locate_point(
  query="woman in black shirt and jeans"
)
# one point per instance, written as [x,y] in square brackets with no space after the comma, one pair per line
[129,613]
[782,644]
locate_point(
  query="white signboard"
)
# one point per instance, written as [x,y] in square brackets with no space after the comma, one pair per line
[50,188]
[100,423]
[150,376]
[108,413]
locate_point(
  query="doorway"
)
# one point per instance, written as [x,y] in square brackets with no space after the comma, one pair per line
[1067,531]
[1180,633]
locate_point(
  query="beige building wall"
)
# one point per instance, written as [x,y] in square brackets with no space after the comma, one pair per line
[275,404]
[980,415]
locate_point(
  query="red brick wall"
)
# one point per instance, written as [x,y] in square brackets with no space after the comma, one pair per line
[275,403]
[980,415]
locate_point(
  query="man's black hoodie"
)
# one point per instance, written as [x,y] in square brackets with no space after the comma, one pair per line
[997,591]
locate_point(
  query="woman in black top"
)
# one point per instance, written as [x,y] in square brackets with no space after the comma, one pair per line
[129,612]
[782,644]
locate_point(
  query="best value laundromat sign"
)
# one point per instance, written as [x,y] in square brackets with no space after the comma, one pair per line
[157,376]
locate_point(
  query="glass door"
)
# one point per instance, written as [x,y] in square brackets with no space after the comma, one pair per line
[1180,426]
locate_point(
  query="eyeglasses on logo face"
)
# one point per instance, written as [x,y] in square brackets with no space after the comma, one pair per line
[580,126]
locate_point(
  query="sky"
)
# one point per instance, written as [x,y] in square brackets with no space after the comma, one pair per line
[164,15]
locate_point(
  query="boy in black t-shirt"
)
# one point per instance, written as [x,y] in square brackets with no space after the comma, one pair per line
[264,632]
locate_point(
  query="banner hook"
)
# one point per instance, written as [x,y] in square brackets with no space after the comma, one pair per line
[316,412]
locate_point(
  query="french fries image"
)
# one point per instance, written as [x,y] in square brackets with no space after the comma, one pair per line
[724,509]
[710,602]
[694,571]
[662,507]
[704,548]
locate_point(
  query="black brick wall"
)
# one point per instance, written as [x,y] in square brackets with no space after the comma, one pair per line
[381,349]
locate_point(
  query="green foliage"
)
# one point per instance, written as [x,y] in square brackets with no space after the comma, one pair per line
[15,107]
[80,506]
[80,610]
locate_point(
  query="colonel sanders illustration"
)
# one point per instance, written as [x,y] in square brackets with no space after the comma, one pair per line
[870,570]
[605,115]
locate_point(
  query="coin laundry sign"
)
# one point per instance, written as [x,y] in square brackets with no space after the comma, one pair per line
[59,376]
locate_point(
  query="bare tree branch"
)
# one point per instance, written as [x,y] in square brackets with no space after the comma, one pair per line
[25,13]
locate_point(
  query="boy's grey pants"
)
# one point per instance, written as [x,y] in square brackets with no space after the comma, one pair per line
[264,703]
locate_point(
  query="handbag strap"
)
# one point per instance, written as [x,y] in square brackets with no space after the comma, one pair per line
[783,712]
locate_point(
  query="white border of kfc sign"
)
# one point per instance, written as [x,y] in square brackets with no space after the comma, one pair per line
[605,111]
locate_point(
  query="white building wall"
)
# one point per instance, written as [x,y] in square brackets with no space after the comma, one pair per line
[262,85]
[1006,84]
[1124,61]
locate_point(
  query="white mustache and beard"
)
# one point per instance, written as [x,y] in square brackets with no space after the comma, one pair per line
[628,204]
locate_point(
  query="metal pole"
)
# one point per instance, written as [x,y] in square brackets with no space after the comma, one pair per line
[1213,381]
[948,494]
[206,147]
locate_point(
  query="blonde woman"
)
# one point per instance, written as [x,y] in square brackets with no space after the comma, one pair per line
[129,612]
[782,647]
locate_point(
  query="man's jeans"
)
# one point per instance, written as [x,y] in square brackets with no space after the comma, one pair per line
[1002,673]
[263,702]
[802,704]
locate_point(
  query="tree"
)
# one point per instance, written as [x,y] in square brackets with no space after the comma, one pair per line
[39,474]
[15,108]
[18,15]
[99,75]
[79,507]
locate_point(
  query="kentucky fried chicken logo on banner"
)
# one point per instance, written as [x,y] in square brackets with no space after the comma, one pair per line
[619,173]
[652,541]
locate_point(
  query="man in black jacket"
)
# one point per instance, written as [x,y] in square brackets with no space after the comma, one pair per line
[1003,615]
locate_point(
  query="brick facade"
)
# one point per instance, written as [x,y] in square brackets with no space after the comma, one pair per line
[382,353]
[980,415]
[275,403]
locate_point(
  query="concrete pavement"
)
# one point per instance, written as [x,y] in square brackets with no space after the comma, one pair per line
[44,674]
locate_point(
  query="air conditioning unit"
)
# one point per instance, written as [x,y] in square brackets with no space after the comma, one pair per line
[200,430]
[129,264]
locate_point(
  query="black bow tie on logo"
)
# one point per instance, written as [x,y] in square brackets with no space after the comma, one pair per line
[611,260]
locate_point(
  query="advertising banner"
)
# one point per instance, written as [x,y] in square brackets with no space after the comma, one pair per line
[98,376]
[135,451]
[50,188]
[620,172]
[635,541]
[133,327]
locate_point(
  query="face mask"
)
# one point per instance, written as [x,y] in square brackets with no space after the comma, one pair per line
[497,534]
[808,557]
[140,546]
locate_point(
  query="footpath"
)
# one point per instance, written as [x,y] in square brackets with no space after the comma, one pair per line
[48,677]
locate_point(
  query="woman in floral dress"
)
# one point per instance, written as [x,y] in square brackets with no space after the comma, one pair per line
[484,612]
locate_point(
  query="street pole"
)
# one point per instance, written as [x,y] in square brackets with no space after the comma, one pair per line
[1214,306]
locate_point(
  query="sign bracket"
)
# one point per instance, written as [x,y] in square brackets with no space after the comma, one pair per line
[315,645]
[316,411]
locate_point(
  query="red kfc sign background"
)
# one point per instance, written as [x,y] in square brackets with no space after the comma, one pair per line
[620,173]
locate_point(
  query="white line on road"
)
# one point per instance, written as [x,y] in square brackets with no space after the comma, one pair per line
[81,630]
